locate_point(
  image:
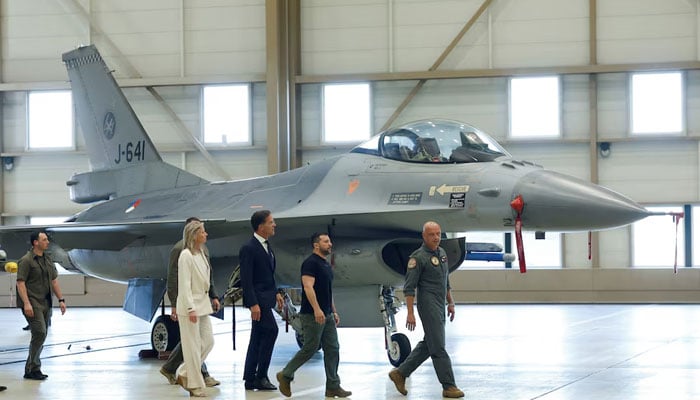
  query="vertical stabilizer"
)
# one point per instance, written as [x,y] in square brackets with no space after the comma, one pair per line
[113,134]
[122,157]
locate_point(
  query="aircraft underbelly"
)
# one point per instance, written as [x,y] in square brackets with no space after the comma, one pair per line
[120,266]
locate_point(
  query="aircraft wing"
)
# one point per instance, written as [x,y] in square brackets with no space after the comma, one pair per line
[105,236]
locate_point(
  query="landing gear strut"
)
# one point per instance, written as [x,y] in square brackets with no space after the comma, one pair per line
[397,344]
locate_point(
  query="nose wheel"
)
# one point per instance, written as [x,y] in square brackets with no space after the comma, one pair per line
[397,344]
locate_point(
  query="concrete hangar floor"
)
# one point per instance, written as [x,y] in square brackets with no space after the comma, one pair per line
[498,352]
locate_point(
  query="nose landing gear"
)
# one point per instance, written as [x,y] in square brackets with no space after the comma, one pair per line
[397,344]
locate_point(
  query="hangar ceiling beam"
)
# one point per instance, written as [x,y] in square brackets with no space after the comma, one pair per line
[593,116]
[500,72]
[282,35]
[437,63]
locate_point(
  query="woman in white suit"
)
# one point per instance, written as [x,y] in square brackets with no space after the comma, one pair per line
[193,309]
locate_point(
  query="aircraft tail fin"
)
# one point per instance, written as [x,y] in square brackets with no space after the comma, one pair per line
[123,159]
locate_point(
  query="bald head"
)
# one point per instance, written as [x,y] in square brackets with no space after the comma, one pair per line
[431,235]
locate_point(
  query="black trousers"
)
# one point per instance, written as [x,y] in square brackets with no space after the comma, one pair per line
[262,340]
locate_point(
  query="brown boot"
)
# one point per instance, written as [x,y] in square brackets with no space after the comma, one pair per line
[285,384]
[399,381]
[339,392]
[452,392]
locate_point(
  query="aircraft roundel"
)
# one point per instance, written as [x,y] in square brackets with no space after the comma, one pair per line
[109,124]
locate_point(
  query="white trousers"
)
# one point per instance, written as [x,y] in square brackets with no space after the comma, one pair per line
[197,340]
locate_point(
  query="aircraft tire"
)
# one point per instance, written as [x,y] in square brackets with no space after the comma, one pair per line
[165,334]
[399,348]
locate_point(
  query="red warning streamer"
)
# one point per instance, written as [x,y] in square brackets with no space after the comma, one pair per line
[517,204]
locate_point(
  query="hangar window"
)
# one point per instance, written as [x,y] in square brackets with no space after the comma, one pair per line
[535,107]
[657,103]
[50,120]
[226,114]
[539,253]
[346,113]
[654,240]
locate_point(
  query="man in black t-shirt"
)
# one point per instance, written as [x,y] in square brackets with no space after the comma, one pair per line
[318,320]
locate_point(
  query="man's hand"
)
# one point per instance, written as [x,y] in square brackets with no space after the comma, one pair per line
[320,317]
[280,301]
[216,305]
[451,311]
[62,306]
[173,314]
[193,317]
[255,312]
[411,321]
[28,310]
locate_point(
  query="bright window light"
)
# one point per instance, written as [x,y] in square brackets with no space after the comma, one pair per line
[657,103]
[535,107]
[539,253]
[346,112]
[696,234]
[50,119]
[46,220]
[483,237]
[226,110]
[654,240]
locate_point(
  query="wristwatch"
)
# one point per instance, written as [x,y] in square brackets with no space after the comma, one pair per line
[61,300]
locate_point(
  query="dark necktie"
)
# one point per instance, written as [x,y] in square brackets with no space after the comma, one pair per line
[269,253]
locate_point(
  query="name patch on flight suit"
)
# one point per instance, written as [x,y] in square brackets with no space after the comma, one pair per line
[411,263]
[435,261]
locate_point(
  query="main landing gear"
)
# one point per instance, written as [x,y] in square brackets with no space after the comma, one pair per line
[397,344]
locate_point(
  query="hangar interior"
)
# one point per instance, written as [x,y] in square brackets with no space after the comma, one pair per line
[420,59]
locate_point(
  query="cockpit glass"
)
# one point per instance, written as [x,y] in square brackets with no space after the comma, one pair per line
[434,141]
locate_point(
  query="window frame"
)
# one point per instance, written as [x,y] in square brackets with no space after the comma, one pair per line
[28,127]
[370,119]
[220,144]
[559,110]
[683,104]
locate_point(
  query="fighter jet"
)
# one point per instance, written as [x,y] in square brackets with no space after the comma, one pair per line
[372,200]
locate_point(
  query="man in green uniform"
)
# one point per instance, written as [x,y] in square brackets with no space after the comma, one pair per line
[37,279]
[427,277]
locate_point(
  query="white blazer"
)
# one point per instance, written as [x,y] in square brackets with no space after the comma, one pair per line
[193,284]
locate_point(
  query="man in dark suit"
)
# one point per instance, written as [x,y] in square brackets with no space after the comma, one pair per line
[259,295]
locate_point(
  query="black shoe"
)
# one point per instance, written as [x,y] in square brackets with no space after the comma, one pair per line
[26,328]
[35,375]
[264,384]
[3,388]
[249,385]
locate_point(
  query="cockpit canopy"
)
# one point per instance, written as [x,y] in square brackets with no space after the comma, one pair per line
[434,141]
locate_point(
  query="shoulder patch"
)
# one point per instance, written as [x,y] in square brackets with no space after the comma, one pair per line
[412,263]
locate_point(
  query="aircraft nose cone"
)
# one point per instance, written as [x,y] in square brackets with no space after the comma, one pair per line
[554,201]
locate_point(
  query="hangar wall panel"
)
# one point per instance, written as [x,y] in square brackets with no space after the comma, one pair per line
[211,40]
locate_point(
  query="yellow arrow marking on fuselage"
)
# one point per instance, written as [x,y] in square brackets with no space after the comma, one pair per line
[444,188]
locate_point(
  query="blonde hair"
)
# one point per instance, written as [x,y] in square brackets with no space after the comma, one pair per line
[189,234]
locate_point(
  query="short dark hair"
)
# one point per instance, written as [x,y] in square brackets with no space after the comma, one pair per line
[316,237]
[258,218]
[35,236]
[190,219]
